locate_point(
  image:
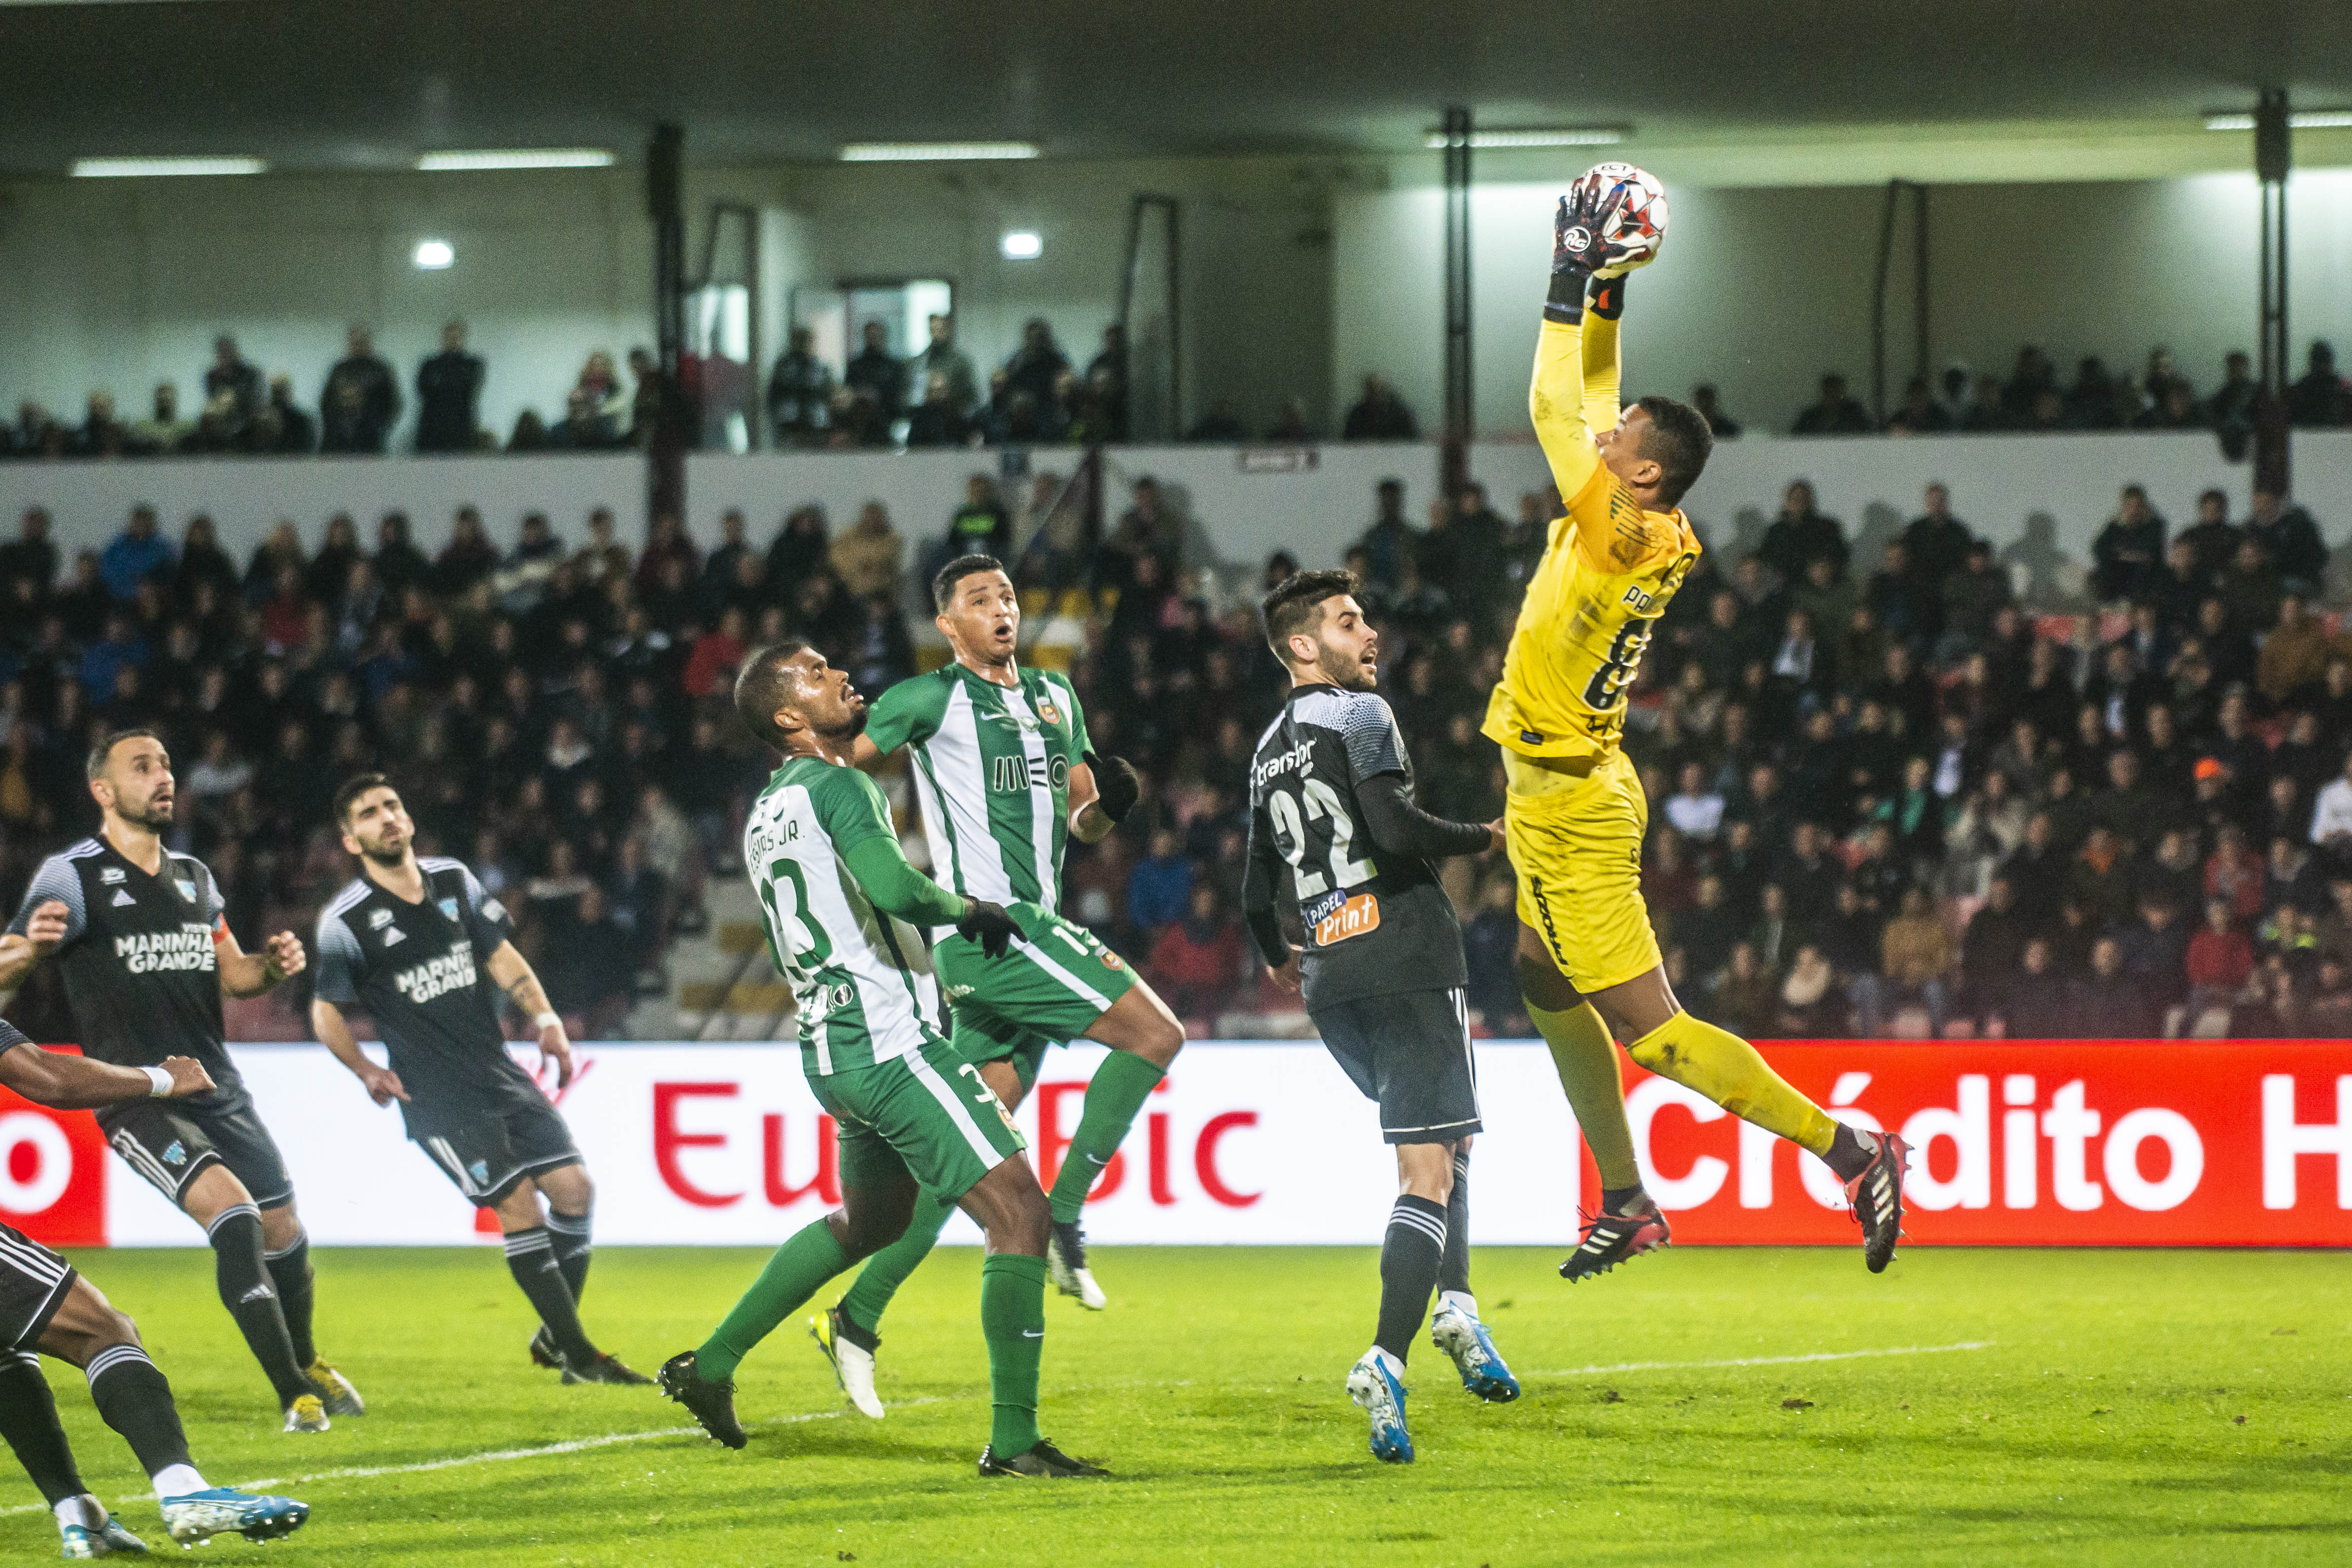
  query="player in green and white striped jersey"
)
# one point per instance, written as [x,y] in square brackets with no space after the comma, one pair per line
[1005,778]
[845,915]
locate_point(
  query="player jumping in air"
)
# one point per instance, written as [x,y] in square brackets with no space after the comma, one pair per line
[1006,776]
[846,915]
[1575,815]
[48,1307]
[147,956]
[418,946]
[1331,795]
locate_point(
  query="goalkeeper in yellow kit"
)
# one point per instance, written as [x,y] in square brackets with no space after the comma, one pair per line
[1574,815]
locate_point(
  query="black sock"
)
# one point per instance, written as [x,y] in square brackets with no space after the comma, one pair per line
[1409,1259]
[252,1300]
[29,1419]
[570,1234]
[1453,1268]
[1849,1155]
[290,1270]
[530,1255]
[1613,1200]
[134,1398]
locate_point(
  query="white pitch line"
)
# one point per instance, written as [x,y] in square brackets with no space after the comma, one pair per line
[1767,1360]
[496,1455]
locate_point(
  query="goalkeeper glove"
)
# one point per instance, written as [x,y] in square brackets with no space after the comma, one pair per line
[988,925]
[1576,250]
[1607,296]
[1117,789]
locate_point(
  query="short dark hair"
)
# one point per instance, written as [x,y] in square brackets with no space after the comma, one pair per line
[352,789]
[943,586]
[760,687]
[1679,441]
[105,743]
[1295,605]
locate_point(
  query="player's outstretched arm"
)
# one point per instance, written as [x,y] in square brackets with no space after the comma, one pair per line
[1555,395]
[382,1085]
[77,1084]
[857,822]
[515,976]
[244,973]
[1400,827]
[1103,791]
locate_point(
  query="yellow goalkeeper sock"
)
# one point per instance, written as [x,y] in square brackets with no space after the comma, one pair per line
[1586,1059]
[1727,1070]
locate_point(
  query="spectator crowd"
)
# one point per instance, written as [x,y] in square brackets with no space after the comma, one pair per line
[1885,798]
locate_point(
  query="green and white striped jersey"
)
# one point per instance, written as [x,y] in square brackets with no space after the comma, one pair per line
[991,775]
[862,977]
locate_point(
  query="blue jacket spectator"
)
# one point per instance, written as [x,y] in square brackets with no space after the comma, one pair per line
[1160,885]
[138,552]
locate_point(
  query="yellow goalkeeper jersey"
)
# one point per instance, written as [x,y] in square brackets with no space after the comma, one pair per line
[1609,567]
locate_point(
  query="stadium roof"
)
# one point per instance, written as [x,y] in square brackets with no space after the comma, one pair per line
[330,83]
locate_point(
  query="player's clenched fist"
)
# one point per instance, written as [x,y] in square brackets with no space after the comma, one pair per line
[188,1077]
[284,956]
[46,927]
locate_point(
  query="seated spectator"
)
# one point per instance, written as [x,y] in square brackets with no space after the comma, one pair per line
[2108,1003]
[1196,962]
[1802,535]
[1159,889]
[2321,397]
[164,430]
[877,371]
[867,555]
[2219,961]
[229,375]
[136,554]
[2033,1003]
[1710,404]
[1379,416]
[980,526]
[1837,412]
[1915,957]
[2290,541]
[2090,402]
[2128,552]
[1746,997]
[936,420]
[1920,412]
[1695,809]
[1036,365]
[1292,425]
[1811,1007]
[799,394]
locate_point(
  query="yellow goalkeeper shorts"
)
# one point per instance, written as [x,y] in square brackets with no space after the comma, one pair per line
[1575,827]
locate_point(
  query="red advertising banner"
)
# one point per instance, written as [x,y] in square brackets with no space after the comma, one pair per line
[2027,1143]
[52,1172]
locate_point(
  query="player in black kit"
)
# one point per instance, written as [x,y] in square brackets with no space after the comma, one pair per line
[1331,810]
[416,944]
[146,957]
[48,1307]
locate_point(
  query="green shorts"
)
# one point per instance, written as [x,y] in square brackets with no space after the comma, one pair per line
[1048,990]
[926,1115]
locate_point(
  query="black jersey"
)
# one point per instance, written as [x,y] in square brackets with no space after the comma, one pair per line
[1372,923]
[421,971]
[10,1037]
[140,975]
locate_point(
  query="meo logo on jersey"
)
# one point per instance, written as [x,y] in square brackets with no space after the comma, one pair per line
[1014,775]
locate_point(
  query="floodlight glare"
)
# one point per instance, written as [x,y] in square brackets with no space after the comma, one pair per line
[1022,244]
[434,255]
[1558,136]
[150,168]
[934,151]
[515,157]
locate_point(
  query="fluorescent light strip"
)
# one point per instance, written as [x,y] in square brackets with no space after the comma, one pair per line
[515,157]
[1570,136]
[935,152]
[147,168]
[2315,119]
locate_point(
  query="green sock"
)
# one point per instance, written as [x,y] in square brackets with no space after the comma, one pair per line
[1013,1319]
[1119,1087]
[799,1267]
[887,1269]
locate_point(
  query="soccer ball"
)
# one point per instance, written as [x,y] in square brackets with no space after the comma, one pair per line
[1634,204]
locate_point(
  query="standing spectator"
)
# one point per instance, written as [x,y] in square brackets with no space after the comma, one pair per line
[980,526]
[1159,889]
[1035,366]
[1836,413]
[1107,383]
[361,402]
[799,394]
[2128,550]
[138,553]
[936,420]
[1379,416]
[230,374]
[1802,535]
[449,396]
[2322,397]
[2290,538]
[1392,541]
[1936,542]
[31,557]
[1197,961]
[2230,410]
[940,357]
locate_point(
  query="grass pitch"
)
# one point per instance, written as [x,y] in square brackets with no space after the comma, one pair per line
[2020,1407]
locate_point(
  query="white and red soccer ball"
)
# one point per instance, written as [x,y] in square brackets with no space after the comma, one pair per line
[1632,205]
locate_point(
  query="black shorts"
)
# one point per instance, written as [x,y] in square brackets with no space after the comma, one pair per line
[34,1282]
[1411,1053]
[489,1153]
[170,1142]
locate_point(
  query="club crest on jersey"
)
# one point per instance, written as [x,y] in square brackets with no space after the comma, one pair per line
[481,1171]
[187,891]
[449,908]
[379,918]
[175,1153]
[1047,711]
[110,875]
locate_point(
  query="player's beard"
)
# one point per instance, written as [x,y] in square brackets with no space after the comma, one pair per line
[390,860]
[1346,671]
[155,817]
[850,728]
